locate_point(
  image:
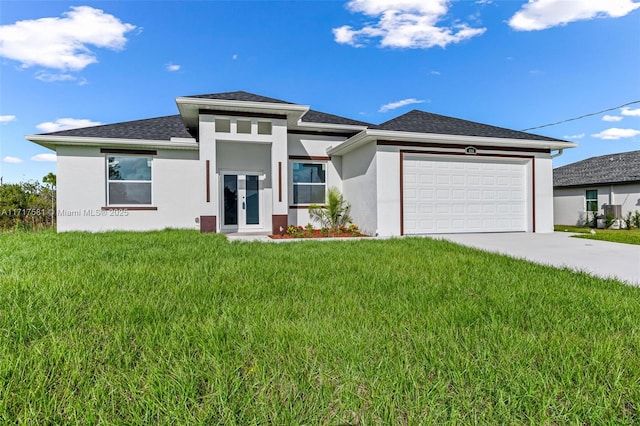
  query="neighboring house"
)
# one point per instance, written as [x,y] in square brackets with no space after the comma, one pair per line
[590,184]
[239,162]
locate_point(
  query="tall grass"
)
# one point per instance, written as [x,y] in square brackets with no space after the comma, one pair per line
[177,327]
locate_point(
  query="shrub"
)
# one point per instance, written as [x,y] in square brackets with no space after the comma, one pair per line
[295,231]
[308,230]
[636,219]
[628,220]
[594,219]
[608,220]
[353,229]
[335,214]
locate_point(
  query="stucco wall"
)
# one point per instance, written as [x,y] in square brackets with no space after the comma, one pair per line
[388,191]
[312,145]
[360,184]
[544,193]
[81,175]
[569,204]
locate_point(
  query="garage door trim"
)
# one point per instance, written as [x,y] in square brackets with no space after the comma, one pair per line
[446,153]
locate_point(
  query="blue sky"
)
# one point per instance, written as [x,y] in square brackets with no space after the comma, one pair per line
[515,64]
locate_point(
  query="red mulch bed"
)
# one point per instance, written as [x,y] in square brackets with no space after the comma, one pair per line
[317,233]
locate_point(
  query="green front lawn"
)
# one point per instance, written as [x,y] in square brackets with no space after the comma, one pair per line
[177,327]
[631,236]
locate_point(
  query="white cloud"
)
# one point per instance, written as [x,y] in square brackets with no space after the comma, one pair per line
[11,160]
[630,112]
[543,14]
[66,124]
[50,78]
[579,136]
[611,118]
[615,133]
[234,57]
[398,104]
[4,119]
[172,67]
[63,42]
[45,158]
[404,24]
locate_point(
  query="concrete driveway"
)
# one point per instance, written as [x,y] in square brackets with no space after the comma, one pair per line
[600,258]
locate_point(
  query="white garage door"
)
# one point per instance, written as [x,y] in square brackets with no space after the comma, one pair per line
[450,195]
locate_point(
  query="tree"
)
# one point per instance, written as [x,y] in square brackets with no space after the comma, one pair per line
[335,214]
[50,180]
[28,205]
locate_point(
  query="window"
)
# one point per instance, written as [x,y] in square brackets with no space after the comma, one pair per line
[264,127]
[592,200]
[243,126]
[223,125]
[128,180]
[309,183]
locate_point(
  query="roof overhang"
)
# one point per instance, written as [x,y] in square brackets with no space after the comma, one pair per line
[52,142]
[190,109]
[596,184]
[324,127]
[371,135]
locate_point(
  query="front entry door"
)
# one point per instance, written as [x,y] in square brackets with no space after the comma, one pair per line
[241,201]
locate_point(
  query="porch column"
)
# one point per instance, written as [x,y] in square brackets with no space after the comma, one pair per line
[208,192]
[280,177]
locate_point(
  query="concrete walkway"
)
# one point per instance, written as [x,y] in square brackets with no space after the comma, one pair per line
[600,258]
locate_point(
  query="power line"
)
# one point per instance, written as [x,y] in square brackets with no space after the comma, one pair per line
[582,116]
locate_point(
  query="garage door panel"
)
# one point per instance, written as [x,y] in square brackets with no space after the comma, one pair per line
[426,179]
[446,195]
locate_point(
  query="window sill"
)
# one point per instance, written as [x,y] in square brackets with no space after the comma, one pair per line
[130,208]
[305,206]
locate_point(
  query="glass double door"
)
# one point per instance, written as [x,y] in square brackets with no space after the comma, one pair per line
[240,201]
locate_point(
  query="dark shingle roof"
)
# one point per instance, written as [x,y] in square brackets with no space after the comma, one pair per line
[605,169]
[161,128]
[239,96]
[425,122]
[313,116]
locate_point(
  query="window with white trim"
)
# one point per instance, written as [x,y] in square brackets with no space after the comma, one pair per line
[309,182]
[128,180]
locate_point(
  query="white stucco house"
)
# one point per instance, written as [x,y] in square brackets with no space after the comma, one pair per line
[591,184]
[239,162]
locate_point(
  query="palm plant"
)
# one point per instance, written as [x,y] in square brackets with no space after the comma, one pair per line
[334,214]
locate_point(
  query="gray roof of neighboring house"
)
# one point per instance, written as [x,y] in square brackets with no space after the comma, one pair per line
[239,96]
[160,129]
[425,122]
[313,116]
[604,169]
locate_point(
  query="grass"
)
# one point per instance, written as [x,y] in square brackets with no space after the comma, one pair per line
[627,236]
[177,327]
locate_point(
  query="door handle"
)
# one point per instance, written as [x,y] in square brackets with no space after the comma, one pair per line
[243,207]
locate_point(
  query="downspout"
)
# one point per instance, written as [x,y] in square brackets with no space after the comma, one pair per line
[558,154]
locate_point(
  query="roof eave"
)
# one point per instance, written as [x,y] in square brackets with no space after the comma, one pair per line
[309,125]
[241,104]
[588,185]
[190,107]
[52,142]
[400,136]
